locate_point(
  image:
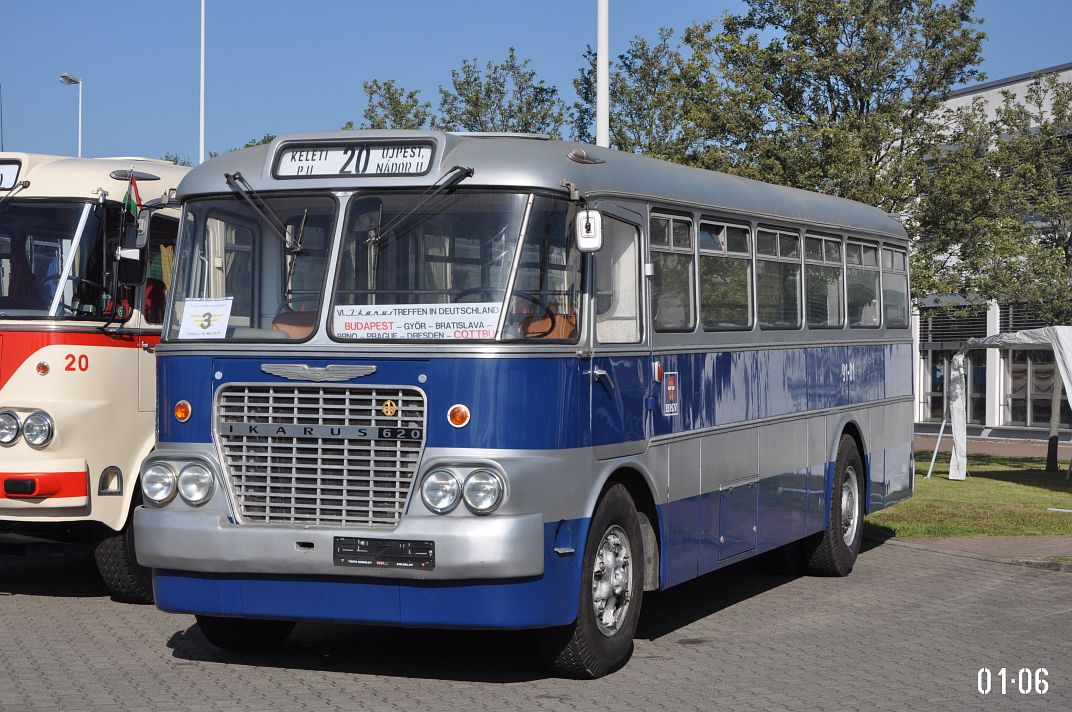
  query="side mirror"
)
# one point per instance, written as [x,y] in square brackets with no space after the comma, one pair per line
[144,216]
[589,230]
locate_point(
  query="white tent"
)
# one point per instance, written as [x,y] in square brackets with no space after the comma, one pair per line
[1059,337]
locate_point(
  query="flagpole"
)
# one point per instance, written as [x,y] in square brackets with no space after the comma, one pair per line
[201,148]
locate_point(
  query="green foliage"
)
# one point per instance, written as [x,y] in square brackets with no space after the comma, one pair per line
[266,138]
[835,95]
[390,106]
[505,96]
[177,159]
[995,217]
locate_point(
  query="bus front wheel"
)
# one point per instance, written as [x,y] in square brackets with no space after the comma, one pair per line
[244,634]
[612,587]
[126,579]
[834,551]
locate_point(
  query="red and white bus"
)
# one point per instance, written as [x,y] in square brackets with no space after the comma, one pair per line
[81,304]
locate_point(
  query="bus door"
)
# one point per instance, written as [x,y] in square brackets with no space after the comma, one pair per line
[621,362]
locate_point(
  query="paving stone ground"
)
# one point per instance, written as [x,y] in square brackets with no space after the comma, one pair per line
[907,630]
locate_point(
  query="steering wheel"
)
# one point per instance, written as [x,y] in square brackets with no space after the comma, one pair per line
[527,296]
[79,281]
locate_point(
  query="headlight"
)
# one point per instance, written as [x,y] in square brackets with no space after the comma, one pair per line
[38,429]
[158,483]
[440,491]
[195,484]
[482,491]
[9,427]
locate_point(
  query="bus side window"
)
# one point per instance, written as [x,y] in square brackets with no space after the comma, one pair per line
[862,278]
[617,285]
[672,287]
[778,279]
[725,277]
[895,287]
[159,258]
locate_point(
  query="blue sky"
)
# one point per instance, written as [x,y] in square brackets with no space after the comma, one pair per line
[278,66]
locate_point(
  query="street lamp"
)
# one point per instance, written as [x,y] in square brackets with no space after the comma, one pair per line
[71,80]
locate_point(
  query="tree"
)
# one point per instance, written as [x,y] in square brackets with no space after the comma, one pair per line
[506,96]
[389,106]
[995,217]
[177,159]
[835,95]
[654,90]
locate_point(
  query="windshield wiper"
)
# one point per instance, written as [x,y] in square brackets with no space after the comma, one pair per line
[448,180]
[451,178]
[21,185]
[237,182]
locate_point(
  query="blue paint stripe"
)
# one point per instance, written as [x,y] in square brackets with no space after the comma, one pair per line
[551,396]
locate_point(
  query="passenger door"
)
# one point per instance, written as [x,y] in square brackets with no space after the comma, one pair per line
[621,361]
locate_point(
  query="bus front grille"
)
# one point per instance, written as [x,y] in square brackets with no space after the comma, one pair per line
[325,455]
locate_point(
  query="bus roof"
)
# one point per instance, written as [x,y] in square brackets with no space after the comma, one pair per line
[79,178]
[534,161]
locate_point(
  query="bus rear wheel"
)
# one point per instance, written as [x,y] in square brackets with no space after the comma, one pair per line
[126,579]
[244,634]
[612,588]
[834,551]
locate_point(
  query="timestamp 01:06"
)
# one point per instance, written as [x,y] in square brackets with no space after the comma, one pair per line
[1024,681]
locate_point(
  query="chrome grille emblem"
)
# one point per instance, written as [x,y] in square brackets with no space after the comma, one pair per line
[323,374]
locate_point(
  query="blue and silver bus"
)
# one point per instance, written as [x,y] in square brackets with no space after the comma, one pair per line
[501,381]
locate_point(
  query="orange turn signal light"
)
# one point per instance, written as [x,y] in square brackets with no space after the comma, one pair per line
[183,411]
[458,415]
[42,368]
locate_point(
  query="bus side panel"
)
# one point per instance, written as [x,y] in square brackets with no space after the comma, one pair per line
[783,484]
[898,452]
[682,513]
[818,462]
[724,457]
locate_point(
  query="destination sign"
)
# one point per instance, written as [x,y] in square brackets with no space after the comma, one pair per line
[9,174]
[354,159]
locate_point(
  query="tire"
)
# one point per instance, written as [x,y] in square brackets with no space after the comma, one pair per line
[598,643]
[244,634]
[126,579]
[834,551]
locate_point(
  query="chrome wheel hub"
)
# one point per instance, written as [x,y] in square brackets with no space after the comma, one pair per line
[850,495]
[611,580]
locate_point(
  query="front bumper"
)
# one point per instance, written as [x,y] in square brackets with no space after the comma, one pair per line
[494,547]
[26,486]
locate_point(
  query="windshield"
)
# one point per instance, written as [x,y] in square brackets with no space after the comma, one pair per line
[437,273]
[443,272]
[52,259]
[238,278]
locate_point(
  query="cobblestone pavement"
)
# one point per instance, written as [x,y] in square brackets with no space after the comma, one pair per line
[907,630]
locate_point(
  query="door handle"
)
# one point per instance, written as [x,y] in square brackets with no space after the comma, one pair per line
[600,373]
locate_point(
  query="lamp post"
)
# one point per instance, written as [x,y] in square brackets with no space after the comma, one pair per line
[201,110]
[1,117]
[71,80]
[603,73]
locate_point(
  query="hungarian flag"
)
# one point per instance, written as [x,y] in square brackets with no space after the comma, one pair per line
[132,200]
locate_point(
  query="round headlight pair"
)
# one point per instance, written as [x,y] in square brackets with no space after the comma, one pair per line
[194,484]
[482,491]
[37,429]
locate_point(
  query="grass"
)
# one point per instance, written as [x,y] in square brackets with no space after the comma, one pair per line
[1003,496]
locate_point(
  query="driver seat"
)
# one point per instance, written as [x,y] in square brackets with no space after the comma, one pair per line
[539,326]
[297,325]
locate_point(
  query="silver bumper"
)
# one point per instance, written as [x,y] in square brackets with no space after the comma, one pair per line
[491,547]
